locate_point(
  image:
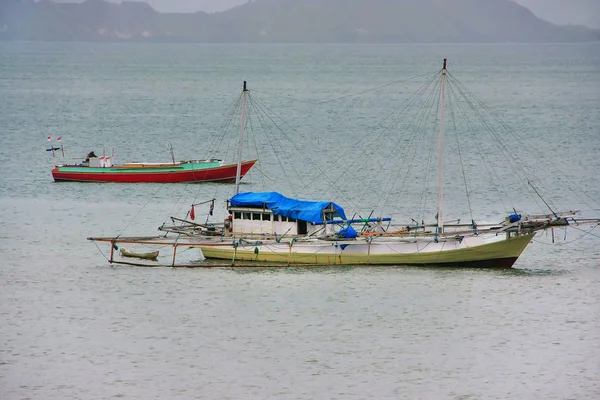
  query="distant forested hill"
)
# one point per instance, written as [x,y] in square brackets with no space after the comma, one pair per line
[308,21]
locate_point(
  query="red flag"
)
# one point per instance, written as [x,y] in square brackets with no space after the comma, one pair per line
[59,138]
[192,213]
[49,138]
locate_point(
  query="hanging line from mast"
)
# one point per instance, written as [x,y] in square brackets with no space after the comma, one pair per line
[218,141]
[539,159]
[345,96]
[416,127]
[460,156]
[392,150]
[252,137]
[150,198]
[541,198]
[222,138]
[503,147]
[413,132]
[525,172]
[369,144]
[396,153]
[299,149]
[381,142]
[272,140]
[429,113]
[373,89]
[223,130]
[488,164]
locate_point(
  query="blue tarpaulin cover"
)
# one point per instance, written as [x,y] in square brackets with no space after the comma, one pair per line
[303,210]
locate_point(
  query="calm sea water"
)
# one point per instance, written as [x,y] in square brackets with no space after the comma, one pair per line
[75,328]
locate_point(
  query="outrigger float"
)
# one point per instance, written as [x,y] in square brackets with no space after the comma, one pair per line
[152,255]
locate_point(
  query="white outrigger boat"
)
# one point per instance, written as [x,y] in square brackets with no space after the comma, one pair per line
[318,233]
[269,229]
[309,238]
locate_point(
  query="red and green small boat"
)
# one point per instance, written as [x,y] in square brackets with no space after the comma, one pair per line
[99,169]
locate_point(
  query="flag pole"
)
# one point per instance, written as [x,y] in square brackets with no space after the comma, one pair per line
[61,146]
[51,146]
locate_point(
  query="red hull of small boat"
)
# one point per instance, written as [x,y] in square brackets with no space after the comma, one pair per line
[223,174]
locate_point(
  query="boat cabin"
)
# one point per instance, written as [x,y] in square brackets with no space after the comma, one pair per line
[270,213]
[97,162]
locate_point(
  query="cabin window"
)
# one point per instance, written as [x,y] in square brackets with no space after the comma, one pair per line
[291,220]
[237,215]
[256,216]
[246,215]
[266,217]
[302,227]
[283,219]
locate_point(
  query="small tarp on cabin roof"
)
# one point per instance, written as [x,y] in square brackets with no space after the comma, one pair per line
[303,210]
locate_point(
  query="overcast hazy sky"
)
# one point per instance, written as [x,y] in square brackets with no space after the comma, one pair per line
[579,12]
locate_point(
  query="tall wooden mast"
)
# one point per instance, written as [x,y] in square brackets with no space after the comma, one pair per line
[241,139]
[440,221]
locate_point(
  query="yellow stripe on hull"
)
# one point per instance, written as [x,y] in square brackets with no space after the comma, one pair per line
[497,254]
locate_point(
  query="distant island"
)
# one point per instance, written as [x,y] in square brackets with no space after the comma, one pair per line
[287,21]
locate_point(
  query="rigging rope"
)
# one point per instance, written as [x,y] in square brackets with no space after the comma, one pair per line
[415,127]
[348,95]
[299,149]
[462,163]
[142,209]
[517,167]
[372,145]
[586,233]
[487,163]
[536,156]
[272,141]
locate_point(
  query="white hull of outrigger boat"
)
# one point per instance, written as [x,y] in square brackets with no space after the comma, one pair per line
[485,251]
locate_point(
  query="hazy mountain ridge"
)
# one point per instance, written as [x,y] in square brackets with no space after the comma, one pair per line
[344,21]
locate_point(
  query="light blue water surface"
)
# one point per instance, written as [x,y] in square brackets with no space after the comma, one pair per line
[75,328]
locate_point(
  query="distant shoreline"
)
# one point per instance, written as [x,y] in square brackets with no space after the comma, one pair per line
[304,43]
